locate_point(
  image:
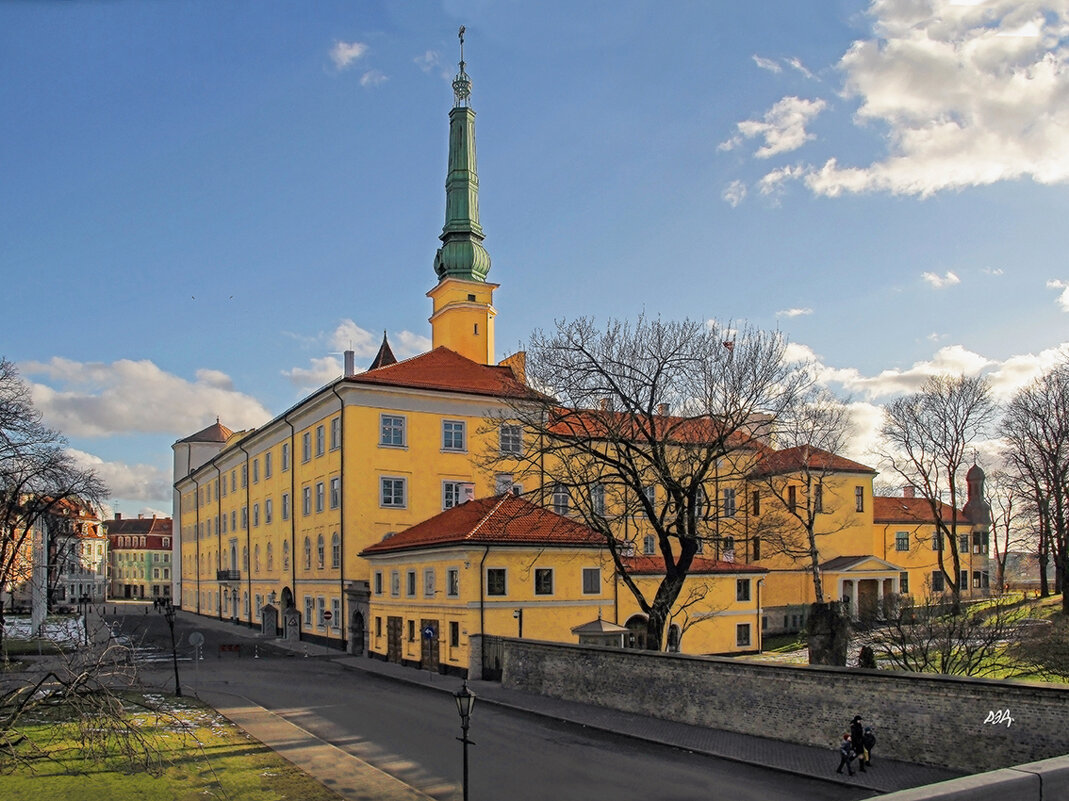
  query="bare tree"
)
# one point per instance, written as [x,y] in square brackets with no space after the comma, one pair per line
[926,436]
[798,476]
[1008,520]
[38,476]
[936,637]
[1036,431]
[639,425]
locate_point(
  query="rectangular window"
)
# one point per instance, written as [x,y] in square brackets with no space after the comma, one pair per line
[453,435]
[818,498]
[223,529]
[321,496]
[650,491]
[454,634]
[742,635]
[222,487]
[496,582]
[428,582]
[256,514]
[309,608]
[285,506]
[980,542]
[452,492]
[511,438]
[392,492]
[335,613]
[335,492]
[859,499]
[256,471]
[976,579]
[244,518]
[543,581]
[395,583]
[306,501]
[233,521]
[244,476]
[937,581]
[756,548]
[729,503]
[792,498]
[591,580]
[392,430]
[306,446]
[963,543]
[378,626]
[903,583]
[649,545]
[321,607]
[755,502]
[901,540]
[267,465]
[378,582]
[233,480]
[742,589]
[561,501]
[410,583]
[285,456]
[452,582]
[321,440]
[963,579]
[937,541]
[411,631]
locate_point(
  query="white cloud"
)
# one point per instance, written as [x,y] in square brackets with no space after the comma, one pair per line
[796,64]
[347,335]
[793,312]
[373,78]
[734,193]
[344,54]
[767,64]
[1063,298]
[321,370]
[940,281]
[963,95]
[409,344]
[140,482]
[935,336]
[95,399]
[782,127]
[993,271]
[428,61]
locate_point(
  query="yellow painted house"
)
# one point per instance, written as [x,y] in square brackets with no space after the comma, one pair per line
[505,566]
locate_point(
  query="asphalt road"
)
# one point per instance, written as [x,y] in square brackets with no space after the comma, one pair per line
[410,732]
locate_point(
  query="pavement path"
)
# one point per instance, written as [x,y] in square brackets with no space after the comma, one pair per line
[355,779]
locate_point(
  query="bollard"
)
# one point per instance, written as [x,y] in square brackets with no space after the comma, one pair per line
[306,650]
[256,655]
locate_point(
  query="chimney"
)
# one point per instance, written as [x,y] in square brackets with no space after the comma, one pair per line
[909,491]
[140,517]
[118,515]
[350,363]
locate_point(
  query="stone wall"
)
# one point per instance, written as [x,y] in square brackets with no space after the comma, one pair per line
[937,720]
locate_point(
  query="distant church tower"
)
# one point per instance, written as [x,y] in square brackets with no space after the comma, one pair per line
[463,301]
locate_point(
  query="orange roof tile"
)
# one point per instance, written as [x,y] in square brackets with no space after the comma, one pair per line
[446,370]
[911,510]
[790,460]
[161,526]
[500,520]
[654,565]
[213,433]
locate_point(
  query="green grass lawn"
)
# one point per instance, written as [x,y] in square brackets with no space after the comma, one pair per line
[203,757]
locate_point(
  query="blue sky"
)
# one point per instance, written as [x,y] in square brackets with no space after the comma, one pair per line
[203,203]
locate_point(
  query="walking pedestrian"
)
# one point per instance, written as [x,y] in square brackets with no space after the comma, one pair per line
[846,754]
[868,739]
[857,736]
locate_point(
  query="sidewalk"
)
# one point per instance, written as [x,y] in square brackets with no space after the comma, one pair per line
[819,763]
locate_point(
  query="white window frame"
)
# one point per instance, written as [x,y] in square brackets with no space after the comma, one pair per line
[510,438]
[552,581]
[335,433]
[452,430]
[398,486]
[505,582]
[742,629]
[589,572]
[393,427]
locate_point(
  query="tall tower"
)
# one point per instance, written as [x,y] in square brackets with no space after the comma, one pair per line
[463,313]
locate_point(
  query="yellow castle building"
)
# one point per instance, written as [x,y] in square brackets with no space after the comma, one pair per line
[365,517]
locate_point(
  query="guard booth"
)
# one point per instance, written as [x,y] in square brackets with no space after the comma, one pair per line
[601,632]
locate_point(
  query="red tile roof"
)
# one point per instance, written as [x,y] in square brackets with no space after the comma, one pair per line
[499,520]
[654,565]
[790,460]
[446,370]
[213,433]
[140,525]
[911,510]
[608,424]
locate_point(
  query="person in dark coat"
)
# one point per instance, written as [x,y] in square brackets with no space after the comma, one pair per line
[868,739]
[846,755]
[857,736]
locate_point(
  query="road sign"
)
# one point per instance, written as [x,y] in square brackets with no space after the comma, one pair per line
[428,632]
[196,639]
[328,615]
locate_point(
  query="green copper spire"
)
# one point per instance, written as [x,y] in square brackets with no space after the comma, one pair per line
[462,254]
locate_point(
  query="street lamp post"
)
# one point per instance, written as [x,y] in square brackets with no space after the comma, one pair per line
[465,702]
[168,614]
[84,602]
